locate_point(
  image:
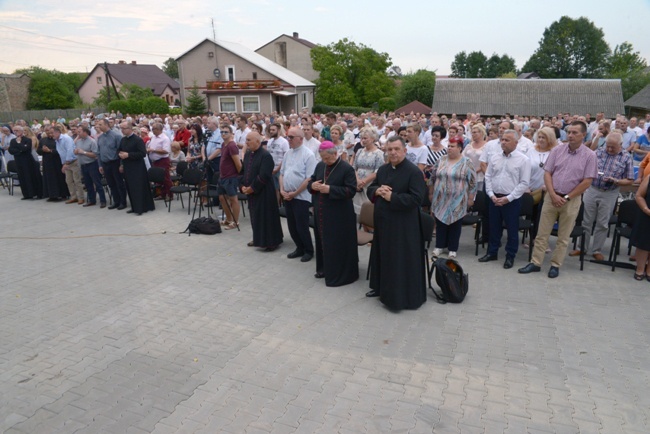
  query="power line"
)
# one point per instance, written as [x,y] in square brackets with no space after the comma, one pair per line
[85,44]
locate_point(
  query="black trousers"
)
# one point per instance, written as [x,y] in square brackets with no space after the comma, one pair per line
[298,223]
[115,181]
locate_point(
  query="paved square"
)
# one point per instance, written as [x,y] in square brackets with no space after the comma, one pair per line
[113,323]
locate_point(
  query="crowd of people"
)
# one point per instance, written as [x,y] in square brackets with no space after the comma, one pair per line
[326,167]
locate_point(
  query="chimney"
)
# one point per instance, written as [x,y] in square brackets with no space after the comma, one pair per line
[133,62]
[121,62]
[295,35]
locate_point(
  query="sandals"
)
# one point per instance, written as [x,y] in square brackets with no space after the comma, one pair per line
[230,225]
[641,277]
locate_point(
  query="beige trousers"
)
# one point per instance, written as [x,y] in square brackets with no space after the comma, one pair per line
[73,179]
[566,218]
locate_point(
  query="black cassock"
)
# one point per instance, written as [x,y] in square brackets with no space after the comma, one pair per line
[397,263]
[262,203]
[135,174]
[29,173]
[54,186]
[336,223]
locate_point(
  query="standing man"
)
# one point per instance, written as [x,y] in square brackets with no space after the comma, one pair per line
[297,168]
[257,183]
[132,152]
[397,267]
[277,146]
[65,147]
[615,168]
[159,148]
[310,141]
[506,180]
[213,143]
[569,171]
[241,132]
[108,143]
[229,169]
[54,186]
[333,185]
[87,152]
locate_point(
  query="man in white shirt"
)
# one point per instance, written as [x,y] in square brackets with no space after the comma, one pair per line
[524,144]
[348,139]
[159,148]
[277,146]
[506,180]
[241,132]
[310,141]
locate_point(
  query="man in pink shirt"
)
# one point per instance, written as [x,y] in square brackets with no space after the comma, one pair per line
[569,171]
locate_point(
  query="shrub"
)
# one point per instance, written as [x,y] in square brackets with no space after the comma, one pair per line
[154,105]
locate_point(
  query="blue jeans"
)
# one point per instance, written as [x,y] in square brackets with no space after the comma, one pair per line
[508,216]
[93,179]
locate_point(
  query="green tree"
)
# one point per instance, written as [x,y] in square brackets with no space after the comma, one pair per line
[51,89]
[477,65]
[170,67]
[195,102]
[102,100]
[156,105]
[628,66]
[351,74]
[570,48]
[418,86]
[134,92]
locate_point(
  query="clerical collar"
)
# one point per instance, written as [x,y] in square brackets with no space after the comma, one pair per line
[335,163]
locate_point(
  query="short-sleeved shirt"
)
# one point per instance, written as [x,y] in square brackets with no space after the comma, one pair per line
[570,168]
[227,167]
[617,166]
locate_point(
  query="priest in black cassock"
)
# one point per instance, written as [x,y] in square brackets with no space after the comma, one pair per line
[333,185]
[257,183]
[397,262]
[132,153]
[29,173]
[54,186]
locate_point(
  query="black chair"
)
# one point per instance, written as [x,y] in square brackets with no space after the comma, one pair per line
[6,179]
[427,226]
[526,217]
[613,219]
[181,167]
[243,198]
[211,192]
[479,208]
[627,211]
[12,170]
[366,218]
[156,176]
[189,183]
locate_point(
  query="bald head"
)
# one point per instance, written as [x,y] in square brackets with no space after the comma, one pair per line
[253,141]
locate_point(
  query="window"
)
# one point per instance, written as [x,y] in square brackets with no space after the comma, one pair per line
[304,98]
[250,104]
[230,72]
[227,104]
[254,75]
[99,80]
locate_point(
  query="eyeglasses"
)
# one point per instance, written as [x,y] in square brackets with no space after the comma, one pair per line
[291,137]
[225,132]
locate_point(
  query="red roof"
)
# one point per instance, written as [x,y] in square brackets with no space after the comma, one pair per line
[415,107]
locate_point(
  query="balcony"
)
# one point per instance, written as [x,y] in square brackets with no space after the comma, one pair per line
[250,85]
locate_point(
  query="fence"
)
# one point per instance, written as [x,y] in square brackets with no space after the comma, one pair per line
[52,115]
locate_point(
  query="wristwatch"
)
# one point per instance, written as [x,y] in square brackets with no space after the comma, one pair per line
[566,197]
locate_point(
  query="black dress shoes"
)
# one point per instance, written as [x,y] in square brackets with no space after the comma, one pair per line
[319,275]
[373,293]
[121,207]
[306,257]
[488,258]
[553,272]
[113,206]
[509,263]
[530,268]
[295,254]
[130,211]
[271,248]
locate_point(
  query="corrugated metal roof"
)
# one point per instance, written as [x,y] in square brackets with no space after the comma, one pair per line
[539,97]
[641,99]
[260,61]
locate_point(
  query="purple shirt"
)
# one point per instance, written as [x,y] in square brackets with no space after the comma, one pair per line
[227,166]
[570,168]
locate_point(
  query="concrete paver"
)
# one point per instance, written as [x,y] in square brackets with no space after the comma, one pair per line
[116,323]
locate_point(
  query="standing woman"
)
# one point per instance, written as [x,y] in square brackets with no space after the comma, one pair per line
[640,237]
[366,163]
[195,150]
[546,141]
[29,174]
[336,132]
[454,188]
[474,150]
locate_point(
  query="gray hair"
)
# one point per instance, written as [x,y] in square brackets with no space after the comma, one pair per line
[371,132]
[616,136]
[513,132]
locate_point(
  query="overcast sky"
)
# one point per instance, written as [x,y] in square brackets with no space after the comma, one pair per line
[75,35]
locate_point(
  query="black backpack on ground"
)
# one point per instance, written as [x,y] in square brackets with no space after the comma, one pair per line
[204,225]
[452,281]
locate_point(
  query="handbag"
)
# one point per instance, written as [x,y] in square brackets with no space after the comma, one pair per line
[537,195]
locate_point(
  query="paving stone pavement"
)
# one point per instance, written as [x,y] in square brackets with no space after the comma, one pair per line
[113,323]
